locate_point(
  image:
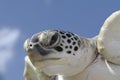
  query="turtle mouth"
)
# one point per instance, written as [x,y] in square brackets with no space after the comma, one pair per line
[46,62]
[49,59]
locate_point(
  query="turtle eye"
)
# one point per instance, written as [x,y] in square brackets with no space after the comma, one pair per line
[54,39]
[49,39]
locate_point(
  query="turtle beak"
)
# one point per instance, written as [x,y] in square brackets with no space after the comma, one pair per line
[26,45]
[35,48]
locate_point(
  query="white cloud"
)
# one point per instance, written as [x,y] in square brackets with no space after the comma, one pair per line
[8,38]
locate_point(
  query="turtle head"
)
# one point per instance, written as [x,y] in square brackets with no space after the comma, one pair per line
[59,52]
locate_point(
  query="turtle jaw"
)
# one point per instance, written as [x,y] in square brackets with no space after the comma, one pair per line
[53,66]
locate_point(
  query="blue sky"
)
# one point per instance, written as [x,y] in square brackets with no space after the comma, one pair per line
[22,18]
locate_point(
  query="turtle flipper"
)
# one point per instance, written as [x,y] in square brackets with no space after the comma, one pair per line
[108,42]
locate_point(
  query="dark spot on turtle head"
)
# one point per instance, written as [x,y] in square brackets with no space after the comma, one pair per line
[75,38]
[61,44]
[75,48]
[68,35]
[66,47]
[72,39]
[74,54]
[69,41]
[58,48]
[74,43]
[70,47]
[62,32]
[63,36]
[69,52]
[71,33]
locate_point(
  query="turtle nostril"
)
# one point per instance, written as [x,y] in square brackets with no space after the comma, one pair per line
[30,45]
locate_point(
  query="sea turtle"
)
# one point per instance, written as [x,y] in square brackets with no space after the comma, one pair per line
[56,52]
